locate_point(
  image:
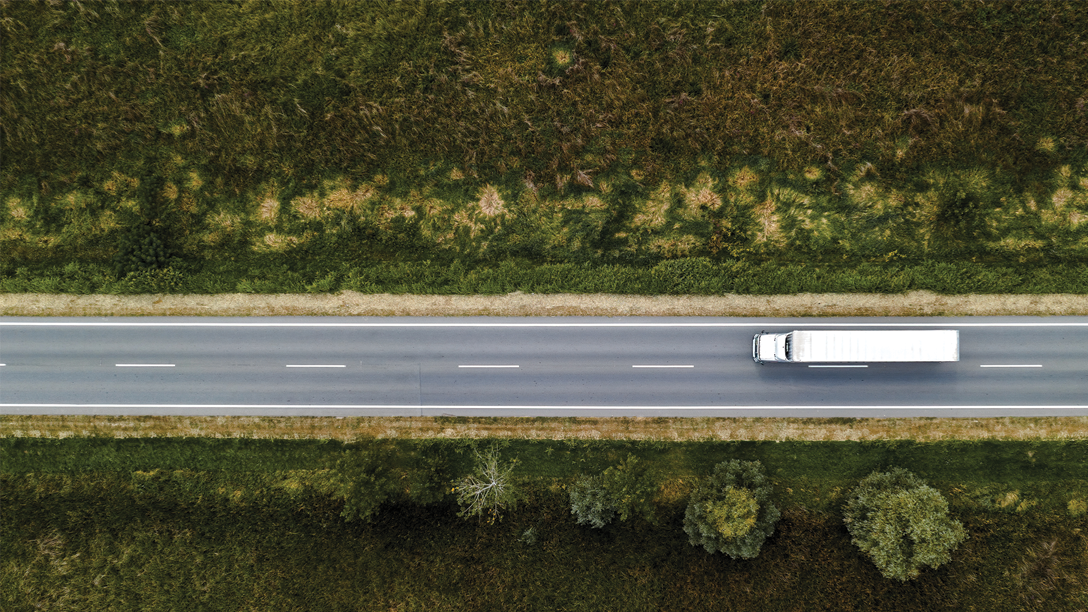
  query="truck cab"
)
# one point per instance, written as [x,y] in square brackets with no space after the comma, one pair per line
[771,347]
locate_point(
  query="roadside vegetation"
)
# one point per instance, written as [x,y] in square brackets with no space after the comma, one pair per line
[617,147]
[660,429]
[187,523]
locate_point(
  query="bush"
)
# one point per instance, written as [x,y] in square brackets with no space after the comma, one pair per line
[901,523]
[625,490]
[590,503]
[731,511]
[631,489]
[364,481]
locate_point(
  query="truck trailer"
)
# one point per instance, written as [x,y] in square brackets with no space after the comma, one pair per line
[853,346]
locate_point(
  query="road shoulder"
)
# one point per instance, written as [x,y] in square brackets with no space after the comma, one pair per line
[349,303]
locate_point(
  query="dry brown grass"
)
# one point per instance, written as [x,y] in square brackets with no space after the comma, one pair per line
[628,428]
[349,303]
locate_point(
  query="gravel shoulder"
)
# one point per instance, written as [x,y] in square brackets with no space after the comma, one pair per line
[348,303]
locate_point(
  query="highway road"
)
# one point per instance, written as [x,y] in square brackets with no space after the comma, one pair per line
[556,366]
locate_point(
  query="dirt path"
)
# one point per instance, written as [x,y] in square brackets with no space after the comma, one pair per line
[348,303]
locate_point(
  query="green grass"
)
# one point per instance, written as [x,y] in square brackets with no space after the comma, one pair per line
[693,276]
[229,524]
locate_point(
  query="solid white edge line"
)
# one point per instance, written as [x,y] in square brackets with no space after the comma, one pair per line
[838,366]
[489,366]
[945,325]
[547,407]
[662,366]
[144,365]
[1011,366]
[316,366]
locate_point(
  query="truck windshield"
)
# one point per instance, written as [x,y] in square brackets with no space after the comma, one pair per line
[789,353]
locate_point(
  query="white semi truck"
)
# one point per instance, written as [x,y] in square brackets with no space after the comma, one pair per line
[853,346]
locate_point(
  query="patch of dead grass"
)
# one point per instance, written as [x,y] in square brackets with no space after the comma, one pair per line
[626,428]
[768,220]
[490,201]
[350,303]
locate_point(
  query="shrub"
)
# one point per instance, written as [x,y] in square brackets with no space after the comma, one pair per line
[731,512]
[901,523]
[590,503]
[625,490]
[364,481]
[631,489]
[429,480]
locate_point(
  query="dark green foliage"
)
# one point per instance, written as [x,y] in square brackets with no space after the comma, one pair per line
[901,523]
[363,480]
[631,488]
[556,100]
[731,511]
[430,480]
[625,490]
[140,249]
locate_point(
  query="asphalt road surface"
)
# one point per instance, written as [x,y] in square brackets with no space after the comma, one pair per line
[555,366]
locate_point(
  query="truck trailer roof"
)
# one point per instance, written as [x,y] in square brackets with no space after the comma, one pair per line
[875,345]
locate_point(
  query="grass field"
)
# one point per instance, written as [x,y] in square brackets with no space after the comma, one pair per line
[199,523]
[421,146]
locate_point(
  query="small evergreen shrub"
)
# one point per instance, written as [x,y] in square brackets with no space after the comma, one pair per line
[901,523]
[731,512]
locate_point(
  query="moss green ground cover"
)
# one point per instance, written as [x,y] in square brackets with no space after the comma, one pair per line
[235,524]
[305,145]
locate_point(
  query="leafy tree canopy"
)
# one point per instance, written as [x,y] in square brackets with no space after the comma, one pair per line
[731,511]
[901,523]
[734,516]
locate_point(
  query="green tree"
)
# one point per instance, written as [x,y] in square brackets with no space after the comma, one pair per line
[140,249]
[731,511]
[488,490]
[901,523]
[734,516]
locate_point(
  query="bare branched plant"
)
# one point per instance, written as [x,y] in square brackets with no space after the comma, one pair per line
[487,491]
